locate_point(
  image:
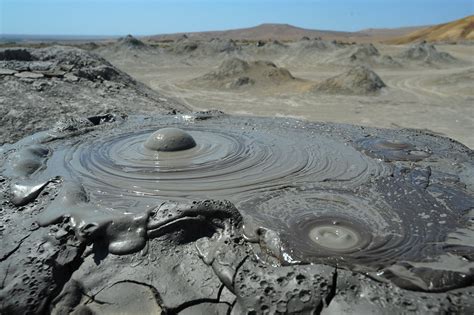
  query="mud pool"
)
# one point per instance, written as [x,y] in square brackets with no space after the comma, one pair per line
[319,201]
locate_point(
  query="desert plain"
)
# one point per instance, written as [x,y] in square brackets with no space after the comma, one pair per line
[426,94]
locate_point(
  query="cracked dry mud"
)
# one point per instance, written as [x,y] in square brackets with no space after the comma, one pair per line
[208,213]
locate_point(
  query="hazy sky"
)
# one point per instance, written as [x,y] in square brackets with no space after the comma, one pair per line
[141,17]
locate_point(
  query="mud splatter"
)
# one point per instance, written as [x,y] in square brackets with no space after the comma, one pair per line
[392,150]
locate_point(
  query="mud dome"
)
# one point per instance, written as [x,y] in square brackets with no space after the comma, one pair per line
[315,210]
[169,139]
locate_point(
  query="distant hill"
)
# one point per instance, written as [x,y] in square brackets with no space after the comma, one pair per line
[260,32]
[286,32]
[462,29]
[383,34]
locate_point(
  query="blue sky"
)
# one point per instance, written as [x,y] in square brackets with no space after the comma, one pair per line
[143,17]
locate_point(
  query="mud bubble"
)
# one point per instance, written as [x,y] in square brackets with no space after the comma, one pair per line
[334,236]
[169,139]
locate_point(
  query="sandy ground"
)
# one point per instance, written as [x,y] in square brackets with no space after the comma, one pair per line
[435,98]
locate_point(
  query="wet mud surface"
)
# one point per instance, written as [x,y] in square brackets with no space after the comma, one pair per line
[211,213]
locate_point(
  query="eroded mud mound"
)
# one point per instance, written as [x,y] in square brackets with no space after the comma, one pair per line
[39,86]
[426,53]
[221,46]
[236,73]
[358,80]
[201,48]
[271,48]
[363,54]
[130,42]
[112,214]
[316,45]
[185,45]
[127,48]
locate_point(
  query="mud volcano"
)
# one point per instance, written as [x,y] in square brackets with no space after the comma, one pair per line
[426,53]
[131,42]
[235,73]
[323,212]
[358,80]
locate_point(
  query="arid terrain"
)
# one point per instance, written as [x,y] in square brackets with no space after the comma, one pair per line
[125,186]
[456,31]
[425,88]
[424,85]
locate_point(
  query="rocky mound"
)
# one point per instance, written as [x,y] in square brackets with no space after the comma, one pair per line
[131,42]
[365,51]
[368,54]
[184,46]
[124,48]
[221,45]
[274,47]
[89,46]
[358,80]
[40,86]
[362,54]
[426,53]
[235,73]
[316,45]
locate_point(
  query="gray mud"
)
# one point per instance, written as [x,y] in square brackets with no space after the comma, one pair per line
[236,73]
[110,214]
[426,53]
[364,55]
[358,80]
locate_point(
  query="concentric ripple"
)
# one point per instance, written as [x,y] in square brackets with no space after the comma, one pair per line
[224,163]
[329,226]
[390,229]
[335,236]
[318,197]
[377,230]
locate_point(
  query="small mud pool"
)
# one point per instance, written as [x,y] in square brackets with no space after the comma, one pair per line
[396,207]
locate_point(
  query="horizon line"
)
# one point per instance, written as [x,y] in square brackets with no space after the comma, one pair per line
[2,35]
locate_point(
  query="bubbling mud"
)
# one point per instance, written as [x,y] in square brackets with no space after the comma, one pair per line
[205,159]
[392,150]
[335,237]
[320,193]
[387,228]
[169,139]
[323,226]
